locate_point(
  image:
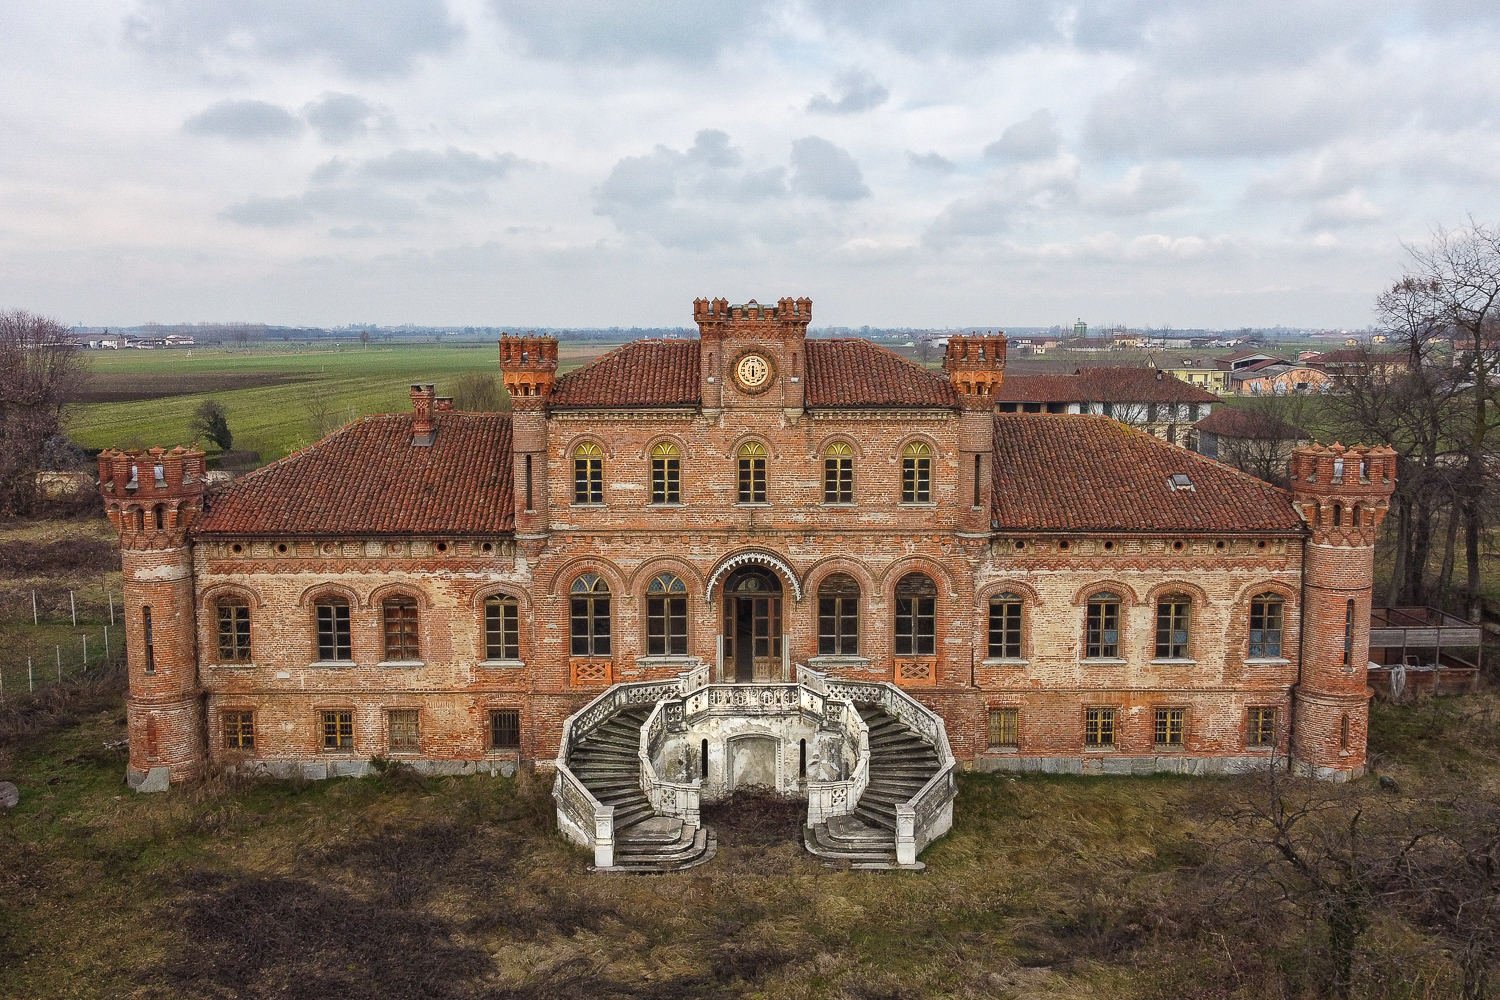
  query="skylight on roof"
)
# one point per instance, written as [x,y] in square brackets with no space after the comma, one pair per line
[1180,481]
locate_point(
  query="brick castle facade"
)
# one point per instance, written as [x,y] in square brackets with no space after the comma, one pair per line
[1068,593]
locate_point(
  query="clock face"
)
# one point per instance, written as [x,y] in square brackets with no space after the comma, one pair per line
[753,372]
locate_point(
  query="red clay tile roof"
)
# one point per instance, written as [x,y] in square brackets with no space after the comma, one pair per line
[1227,421]
[368,479]
[857,373]
[1101,385]
[1081,473]
[642,373]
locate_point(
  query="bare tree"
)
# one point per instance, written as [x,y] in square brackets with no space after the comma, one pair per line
[476,393]
[40,370]
[1455,281]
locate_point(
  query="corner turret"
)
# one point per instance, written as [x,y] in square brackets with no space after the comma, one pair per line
[975,365]
[152,498]
[1342,494]
[529,367]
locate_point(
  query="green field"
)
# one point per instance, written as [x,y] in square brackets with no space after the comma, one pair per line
[278,400]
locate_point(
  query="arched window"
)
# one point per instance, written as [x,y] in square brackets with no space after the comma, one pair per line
[666,473]
[161,516]
[1338,515]
[588,473]
[138,519]
[1174,615]
[838,473]
[589,616]
[148,639]
[1102,631]
[399,614]
[1354,516]
[666,616]
[333,629]
[501,628]
[234,630]
[916,473]
[1267,613]
[752,473]
[916,615]
[838,615]
[1005,626]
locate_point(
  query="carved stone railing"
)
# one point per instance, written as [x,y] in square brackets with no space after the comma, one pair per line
[682,799]
[582,818]
[827,799]
[928,814]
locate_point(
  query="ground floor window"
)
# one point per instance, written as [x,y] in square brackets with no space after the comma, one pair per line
[1003,728]
[239,730]
[1261,731]
[338,731]
[1169,727]
[403,729]
[505,728]
[1099,728]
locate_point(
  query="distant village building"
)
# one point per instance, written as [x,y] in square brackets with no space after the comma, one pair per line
[1155,402]
[1257,443]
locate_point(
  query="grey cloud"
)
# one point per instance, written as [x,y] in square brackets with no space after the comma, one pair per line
[449,198]
[247,121]
[858,91]
[365,204]
[368,40]
[1147,188]
[711,146]
[456,166]
[935,162]
[330,170]
[268,212]
[342,117]
[679,30]
[823,170]
[1033,139]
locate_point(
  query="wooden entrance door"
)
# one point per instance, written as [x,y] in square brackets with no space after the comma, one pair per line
[752,627]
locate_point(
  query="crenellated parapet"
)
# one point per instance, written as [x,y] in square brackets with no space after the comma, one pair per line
[786,320]
[152,497]
[528,366]
[1342,493]
[976,367]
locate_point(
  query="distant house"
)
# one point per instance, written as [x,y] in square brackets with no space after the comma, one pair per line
[1197,370]
[1141,397]
[1257,443]
[1278,378]
[1358,363]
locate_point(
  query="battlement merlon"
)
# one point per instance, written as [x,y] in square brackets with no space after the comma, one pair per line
[528,367]
[1346,489]
[787,320]
[152,496]
[975,364]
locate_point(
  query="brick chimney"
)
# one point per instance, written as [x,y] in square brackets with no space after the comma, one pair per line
[423,402]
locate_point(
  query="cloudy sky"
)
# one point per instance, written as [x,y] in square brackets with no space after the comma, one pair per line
[577,162]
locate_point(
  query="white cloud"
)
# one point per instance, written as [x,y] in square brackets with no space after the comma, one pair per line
[1351,208]
[455,166]
[677,30]
[341,118]
[935,162]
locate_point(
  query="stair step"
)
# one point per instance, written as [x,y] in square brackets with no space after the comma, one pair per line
[626,816]
[657,830]
[704,846]
[613,784]
[627,743]
[874,817]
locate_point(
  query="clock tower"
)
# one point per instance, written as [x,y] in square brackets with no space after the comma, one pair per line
[753,357]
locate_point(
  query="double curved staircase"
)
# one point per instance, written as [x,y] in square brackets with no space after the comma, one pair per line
[891,796]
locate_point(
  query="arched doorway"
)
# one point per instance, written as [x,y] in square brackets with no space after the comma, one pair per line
[752,626]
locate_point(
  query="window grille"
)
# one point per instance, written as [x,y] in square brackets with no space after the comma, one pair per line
[239,730]
[338,731]
[1261,730]
[1169,723]
[1099,727]
[505,728]
[1003,728]
[403,729]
